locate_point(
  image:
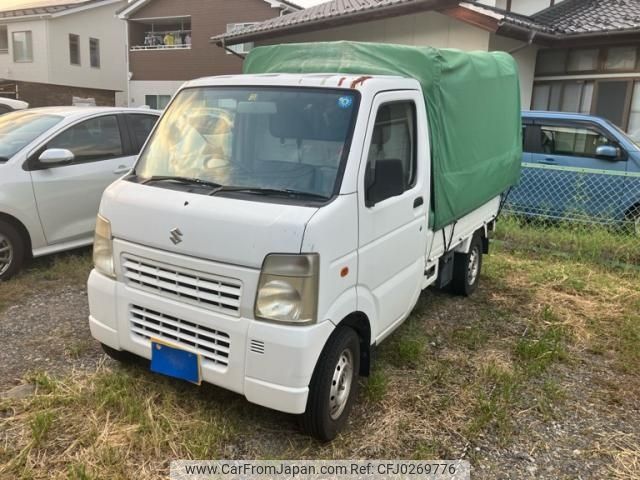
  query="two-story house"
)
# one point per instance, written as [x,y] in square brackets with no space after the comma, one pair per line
[168,42]
[54,50]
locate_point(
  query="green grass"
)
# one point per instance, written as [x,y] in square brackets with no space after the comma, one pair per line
[40,425]
[376,385]
[576,241]
[488,370]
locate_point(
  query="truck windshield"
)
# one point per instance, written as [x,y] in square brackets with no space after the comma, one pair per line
[18,129]
[269,139]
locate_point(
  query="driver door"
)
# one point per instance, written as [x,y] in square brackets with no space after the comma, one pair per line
[393,201]
[68,195]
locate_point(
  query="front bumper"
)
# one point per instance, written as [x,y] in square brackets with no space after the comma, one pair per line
[270,364]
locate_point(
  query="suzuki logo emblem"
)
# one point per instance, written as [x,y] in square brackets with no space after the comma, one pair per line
[176,236]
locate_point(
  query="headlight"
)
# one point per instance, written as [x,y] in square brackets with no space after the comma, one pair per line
[103,248]
[288,289]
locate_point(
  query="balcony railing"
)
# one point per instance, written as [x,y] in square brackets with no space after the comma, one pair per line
[165,40]
[160,47]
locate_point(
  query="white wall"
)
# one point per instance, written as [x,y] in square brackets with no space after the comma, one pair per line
[523,7]
[139,88]
[526,59]
[102,24]
[427,28]
[36,71]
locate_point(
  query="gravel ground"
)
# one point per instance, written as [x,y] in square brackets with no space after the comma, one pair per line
[591,431]
[48,332]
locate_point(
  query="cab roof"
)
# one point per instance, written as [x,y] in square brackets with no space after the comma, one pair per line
[316,80]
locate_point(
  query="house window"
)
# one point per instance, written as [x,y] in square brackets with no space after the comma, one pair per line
[4,39]
[94,52]
[612,101]
[22,47]
[551,62]
[590,60]
[74,49]
[583,60]
[242,48]
[157,102]
[621,58]
[634,114]
[569,96]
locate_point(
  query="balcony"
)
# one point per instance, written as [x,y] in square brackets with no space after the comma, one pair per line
[160,34]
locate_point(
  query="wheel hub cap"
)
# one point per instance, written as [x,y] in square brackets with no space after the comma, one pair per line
[6,254]
[474,266]
[341,384]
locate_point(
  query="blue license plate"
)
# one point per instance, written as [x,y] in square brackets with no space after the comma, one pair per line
[175,362]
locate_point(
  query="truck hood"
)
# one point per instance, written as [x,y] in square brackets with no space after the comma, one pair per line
[227,230]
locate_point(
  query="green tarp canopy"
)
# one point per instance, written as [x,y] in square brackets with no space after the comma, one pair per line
[473,108]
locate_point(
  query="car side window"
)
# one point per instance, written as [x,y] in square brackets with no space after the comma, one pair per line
[392,159]
[140,126]
[94,139]
[571,141]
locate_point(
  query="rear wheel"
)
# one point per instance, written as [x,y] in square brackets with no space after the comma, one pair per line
[467,268]
[12,250]
[333,386]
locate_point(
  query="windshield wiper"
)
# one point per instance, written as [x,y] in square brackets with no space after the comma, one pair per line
[269,191]
[184,180]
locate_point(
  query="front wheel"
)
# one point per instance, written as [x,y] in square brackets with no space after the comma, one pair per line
[12,250]
[466,269]
[333,386]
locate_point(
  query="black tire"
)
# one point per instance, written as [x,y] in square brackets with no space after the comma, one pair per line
[465,279]
[12,250]
[318,419]
[120,355]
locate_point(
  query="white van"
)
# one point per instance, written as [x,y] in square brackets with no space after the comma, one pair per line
[254,248]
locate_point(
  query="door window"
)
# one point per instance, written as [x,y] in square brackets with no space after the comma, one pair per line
[94,139]
[571,141]
[393,142]
[140,126]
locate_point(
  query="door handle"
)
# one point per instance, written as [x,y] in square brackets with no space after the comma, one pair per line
[418,202]
[548,161]
[122,169]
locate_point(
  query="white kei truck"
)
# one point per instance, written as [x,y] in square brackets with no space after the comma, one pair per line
[279,224]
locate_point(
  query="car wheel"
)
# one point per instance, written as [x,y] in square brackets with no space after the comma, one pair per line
[467,268]
[333,386]
[12,250]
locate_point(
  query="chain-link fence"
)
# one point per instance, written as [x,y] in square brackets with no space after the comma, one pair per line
[578,212]
[608,198]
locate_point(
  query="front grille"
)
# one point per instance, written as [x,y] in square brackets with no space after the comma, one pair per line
[212,345]
[207,291]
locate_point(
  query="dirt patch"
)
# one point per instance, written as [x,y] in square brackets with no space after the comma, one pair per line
[47,333]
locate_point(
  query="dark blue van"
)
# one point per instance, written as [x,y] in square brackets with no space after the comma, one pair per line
[578,168]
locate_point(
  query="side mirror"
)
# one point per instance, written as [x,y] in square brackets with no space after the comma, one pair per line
[386,182]
[608,151]
[56,155]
